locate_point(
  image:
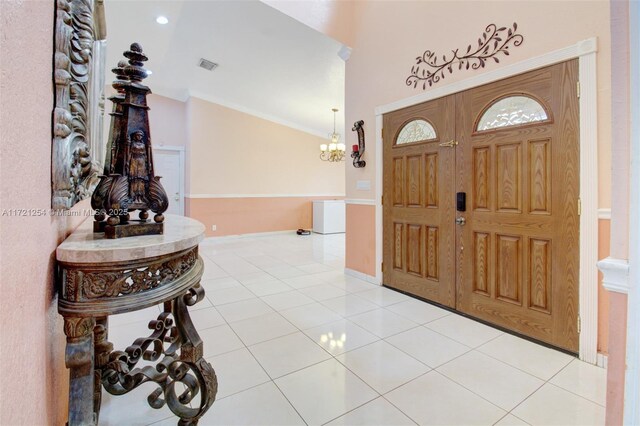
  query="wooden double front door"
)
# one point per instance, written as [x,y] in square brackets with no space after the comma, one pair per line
[481,207]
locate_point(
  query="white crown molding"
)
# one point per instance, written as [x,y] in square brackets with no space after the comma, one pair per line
[256,113]
[615,274]
[360,201]
[362,276]
[261,195]
[604,214]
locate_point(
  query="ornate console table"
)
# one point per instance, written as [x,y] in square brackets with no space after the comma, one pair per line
[100,277]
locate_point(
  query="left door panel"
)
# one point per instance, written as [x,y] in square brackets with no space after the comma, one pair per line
[418,211]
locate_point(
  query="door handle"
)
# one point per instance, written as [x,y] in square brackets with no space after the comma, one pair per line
[449,144]
[461,221]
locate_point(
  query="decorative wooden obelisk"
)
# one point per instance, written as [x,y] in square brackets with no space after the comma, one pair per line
[129,182]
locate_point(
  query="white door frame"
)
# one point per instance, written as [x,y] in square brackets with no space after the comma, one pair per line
[585,51]
[180,150]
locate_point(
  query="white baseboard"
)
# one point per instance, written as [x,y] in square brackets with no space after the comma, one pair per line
[194,195]
[362,276]
[255,234]
[601,360]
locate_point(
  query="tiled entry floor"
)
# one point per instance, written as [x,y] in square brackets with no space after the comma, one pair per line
[295,341]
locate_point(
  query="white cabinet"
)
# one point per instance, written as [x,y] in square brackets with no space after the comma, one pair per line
[328,216]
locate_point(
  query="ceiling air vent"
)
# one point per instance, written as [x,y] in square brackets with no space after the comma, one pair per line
[207,64]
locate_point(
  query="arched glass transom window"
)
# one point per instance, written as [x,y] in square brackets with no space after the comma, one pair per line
[416,131]
[512,111]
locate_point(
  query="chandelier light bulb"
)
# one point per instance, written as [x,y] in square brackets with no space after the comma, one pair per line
[341,147]
[323,147]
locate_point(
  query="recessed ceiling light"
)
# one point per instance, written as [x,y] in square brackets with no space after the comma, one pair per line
[162,20]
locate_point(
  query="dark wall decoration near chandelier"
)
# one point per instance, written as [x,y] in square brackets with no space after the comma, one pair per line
[429,69]
[358,150]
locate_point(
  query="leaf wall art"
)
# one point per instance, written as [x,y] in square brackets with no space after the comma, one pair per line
[494,42]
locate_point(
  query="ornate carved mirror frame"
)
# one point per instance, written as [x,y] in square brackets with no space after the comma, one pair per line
[77,153]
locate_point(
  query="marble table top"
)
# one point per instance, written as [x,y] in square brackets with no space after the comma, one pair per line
[85,246]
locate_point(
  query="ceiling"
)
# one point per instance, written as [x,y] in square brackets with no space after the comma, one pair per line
[270,65]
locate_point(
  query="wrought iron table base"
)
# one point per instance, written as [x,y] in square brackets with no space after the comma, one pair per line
[180,372]
[174,345]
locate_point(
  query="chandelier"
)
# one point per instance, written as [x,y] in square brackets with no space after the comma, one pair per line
[334,151]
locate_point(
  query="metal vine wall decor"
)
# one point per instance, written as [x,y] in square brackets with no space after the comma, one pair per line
[493,42]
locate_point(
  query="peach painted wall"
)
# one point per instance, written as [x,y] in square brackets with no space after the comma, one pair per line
[331,17]
[247,174]
[232,152]
[604,232]
[361,236]
[33,377]
[235,216]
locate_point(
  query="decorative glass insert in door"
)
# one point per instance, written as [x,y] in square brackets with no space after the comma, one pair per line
[512,111]
[416,131]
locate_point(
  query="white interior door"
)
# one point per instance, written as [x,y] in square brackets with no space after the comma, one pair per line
[169,163]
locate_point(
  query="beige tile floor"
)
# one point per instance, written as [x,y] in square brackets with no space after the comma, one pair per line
[295,341]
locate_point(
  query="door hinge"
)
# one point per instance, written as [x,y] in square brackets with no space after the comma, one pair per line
[579,206]
[578,88]
[382,200]
[382,133]
[579,324]
[450,144]
[382,266]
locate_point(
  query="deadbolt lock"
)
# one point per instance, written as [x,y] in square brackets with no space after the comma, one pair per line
[461,221]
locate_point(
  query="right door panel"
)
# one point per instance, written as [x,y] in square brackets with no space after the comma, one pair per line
[518,162]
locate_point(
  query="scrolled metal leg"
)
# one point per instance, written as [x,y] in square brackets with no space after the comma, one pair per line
[182,363]
[79,360]
[191,353]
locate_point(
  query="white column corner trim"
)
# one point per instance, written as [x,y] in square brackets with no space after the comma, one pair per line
[615,274]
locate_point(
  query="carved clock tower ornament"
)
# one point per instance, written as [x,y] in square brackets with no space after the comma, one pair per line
[129,182]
